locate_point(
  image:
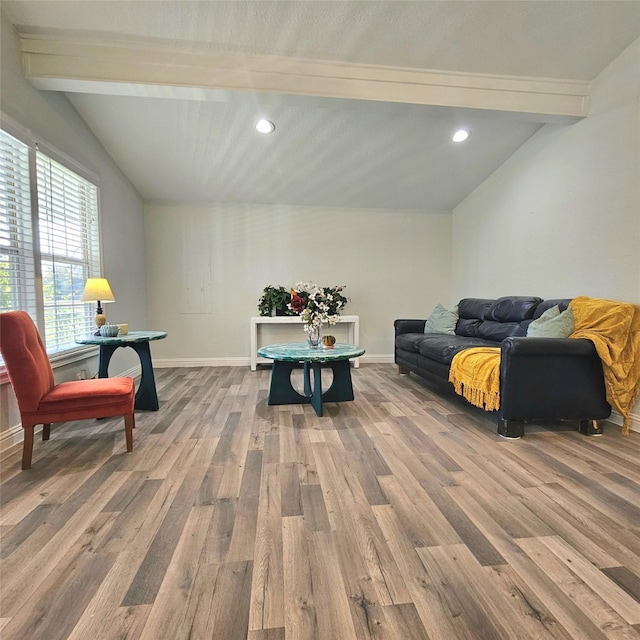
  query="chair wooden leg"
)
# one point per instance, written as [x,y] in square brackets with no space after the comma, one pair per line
[27,447]
[46,431]
[129,424]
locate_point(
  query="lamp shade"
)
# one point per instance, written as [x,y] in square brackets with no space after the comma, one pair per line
[97,289]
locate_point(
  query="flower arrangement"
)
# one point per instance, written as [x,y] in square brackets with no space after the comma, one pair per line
[316,305]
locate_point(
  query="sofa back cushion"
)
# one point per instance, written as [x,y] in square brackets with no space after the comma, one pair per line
[470,314]
[496,319]
[512,308]
[473,308]
[545,305]
[498,331]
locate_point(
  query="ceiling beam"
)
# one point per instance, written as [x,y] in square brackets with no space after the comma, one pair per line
[95,65]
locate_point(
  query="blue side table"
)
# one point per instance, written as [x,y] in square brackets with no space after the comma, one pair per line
[287,357]
[146,396]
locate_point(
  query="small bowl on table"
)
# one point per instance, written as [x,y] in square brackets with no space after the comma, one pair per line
[109,330]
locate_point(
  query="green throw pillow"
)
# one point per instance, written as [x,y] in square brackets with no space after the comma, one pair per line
[553,324]
[442,320]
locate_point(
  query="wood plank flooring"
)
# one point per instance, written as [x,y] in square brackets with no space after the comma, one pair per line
[399,516]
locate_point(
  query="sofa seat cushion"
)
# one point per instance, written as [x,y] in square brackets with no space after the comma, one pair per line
[442,348]
[411,341]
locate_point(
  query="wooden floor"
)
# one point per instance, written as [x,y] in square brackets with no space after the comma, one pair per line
[401,515]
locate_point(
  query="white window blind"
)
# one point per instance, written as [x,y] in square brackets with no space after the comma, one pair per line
[17,274]
[69,250]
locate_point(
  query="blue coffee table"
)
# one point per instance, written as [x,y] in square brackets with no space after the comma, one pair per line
[286,357]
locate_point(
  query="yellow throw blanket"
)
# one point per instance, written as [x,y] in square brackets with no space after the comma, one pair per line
[614,329]
[475,375]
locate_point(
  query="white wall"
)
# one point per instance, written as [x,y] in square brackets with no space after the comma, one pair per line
[51,118]
[561,217]
[394,263]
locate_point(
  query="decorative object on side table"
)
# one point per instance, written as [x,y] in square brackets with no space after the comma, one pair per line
[109,330]
[275,300]
[316,305]
[313,335]
[98,290]
[328,342]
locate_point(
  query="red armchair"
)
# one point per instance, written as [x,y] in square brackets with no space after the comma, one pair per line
[41,401]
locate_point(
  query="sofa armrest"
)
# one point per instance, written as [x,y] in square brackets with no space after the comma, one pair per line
[579,347]
[551,378]
[409,326]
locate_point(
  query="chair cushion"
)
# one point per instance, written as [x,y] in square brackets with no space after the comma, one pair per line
[87,399]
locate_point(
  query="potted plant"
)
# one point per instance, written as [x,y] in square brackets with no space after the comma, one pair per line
[275,298]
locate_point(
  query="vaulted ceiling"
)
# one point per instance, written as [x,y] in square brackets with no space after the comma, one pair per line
[364,95]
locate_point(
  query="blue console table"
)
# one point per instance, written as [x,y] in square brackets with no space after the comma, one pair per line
[146,396]
[287,357]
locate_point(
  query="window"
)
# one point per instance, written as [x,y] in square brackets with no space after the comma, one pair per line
[64,249]
[17,275]
[69,251]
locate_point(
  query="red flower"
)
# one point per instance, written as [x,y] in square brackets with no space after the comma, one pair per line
[297,303]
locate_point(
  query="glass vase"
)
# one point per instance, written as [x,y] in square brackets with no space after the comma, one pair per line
[313,335]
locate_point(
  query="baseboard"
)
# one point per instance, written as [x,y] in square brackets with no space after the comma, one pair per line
[616,418]
[165,363]
[134,372]
[377,358]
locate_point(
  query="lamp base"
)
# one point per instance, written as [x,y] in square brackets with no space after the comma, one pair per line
[100,321]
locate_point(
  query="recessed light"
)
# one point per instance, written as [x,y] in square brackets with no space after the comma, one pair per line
[265,126]
[460,135]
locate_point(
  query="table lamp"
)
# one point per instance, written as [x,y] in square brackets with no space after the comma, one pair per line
[98,290]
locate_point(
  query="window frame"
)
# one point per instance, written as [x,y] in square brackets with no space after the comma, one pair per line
[34,145]
[24,246]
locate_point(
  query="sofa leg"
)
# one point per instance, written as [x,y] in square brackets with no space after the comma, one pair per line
[590,428]
[402,371]
[510,428]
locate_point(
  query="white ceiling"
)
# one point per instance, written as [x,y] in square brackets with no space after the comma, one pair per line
[327,151]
